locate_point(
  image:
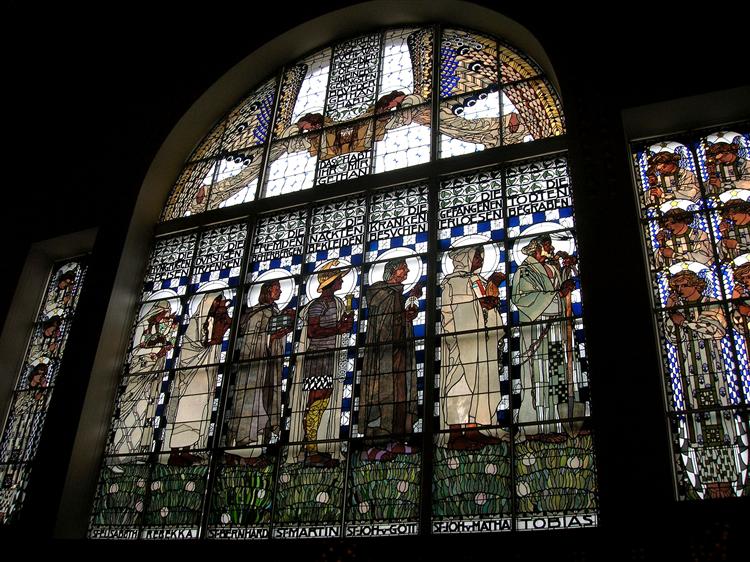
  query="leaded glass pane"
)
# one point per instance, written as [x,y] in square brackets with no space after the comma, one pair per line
[303,91]
[205,329]
[407,63]
[515,66]
[397,219]
[186,420]
[155,335]
[402,138]
[469,123]
[667,172]
[472,489]
[242,500]
[723,159]
[168,267]
[248,124]
[354,78]
[175,499]
[531,111]
[471,209]
[218,258]
[712,453]
[278,244]
[346,152]
[556,482]
[24,425]
[468,62]
[132,429]
[189,196]
[254,412]
[309,499]
[336,235]
[121,498]
[236,180]
[292,163]
[385,490]
[210,145]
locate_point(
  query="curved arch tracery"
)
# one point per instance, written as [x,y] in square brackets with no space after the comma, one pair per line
[365,106]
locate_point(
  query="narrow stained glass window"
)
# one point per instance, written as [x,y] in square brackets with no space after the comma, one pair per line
[694,196]
[36,384]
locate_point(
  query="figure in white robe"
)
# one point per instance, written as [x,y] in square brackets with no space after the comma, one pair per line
[188,410]
[469,369]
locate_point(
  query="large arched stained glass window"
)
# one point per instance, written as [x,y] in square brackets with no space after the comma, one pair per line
[694,196]
[406,356]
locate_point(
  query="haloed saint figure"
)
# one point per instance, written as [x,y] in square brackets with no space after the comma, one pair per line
[542,288]
[257,399]
[388,394]
[190,401]
[469,377]
[326,319]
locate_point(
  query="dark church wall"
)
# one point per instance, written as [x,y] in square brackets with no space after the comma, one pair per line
[89,115]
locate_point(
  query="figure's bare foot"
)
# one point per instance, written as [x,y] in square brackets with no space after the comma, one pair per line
[481,438]
[400,448]
[257,462]
[462,443]
[320,460]
[375,454]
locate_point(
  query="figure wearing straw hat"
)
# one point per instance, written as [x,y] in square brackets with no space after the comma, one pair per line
[325,319]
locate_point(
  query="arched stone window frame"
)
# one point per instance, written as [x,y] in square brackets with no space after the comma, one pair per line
[256,67]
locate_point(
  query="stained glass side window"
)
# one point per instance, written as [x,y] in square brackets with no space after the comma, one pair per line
[511,377]
[153,479]
[694,196]
[364,106]
[36,384]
